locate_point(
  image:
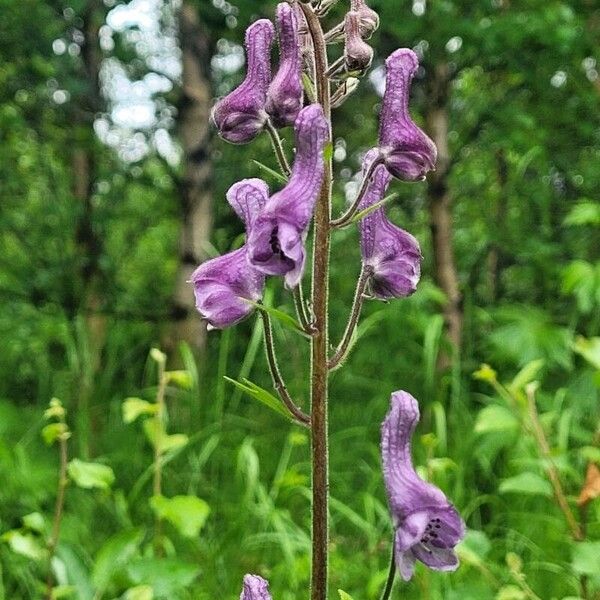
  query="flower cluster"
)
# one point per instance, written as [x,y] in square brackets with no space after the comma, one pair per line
[427,527]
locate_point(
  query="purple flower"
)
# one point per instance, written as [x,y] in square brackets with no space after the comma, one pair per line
[392,254]
[427,526]
[276,238]
[408,153]
[357,54]
[223,284]
[240,116]
[255,588]
[284,97]
[369,19]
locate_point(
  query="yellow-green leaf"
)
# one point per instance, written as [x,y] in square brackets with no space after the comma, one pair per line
[90,475]
[186,513]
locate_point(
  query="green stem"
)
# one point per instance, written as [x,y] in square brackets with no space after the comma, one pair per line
[278,383]
[278,148]
[344,345]
[389,584]
[319,342]
[157,481]
[58,508]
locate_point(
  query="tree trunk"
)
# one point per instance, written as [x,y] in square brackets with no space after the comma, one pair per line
[194,132]
[84,172]
[440,208]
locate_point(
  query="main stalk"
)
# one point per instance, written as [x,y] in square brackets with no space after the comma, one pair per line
[319,344]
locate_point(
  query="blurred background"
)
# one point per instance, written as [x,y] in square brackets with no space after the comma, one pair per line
[112,190]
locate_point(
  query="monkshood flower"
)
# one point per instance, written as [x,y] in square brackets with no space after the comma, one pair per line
[407,151]
[284,97]
[427,525]
[276,238]
[255,588]
[223,284]
[240,116]
[357,54]
[392,254]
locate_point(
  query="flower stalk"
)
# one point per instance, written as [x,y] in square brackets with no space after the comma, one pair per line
[319,342]
[278,383]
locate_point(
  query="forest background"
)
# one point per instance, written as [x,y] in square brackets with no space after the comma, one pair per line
[112,190]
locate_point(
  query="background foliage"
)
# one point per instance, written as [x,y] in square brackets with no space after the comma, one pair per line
[87,280]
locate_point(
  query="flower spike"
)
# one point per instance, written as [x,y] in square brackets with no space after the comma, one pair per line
[408,152]
[240,116]
[284,97]
[392,254]
[276,238]
[427,526]
[223,285]
[255,588]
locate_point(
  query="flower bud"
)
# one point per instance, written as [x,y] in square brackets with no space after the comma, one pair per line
[284,97]
[407,151]
[357,53]
[255,588]
[240,116]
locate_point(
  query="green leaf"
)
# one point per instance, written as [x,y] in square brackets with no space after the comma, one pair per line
[285,319]
[181,378]
[328,151]
[474,548]
[186,513]
[24,544]
[116,552]
[526,483]
[35,522]
[63,591]
[344,595]
[157,356]
[135,407]
[156,434]
[90,475]
[77,570]
[584,213]
[139,592]
[495,418]
[585,558]
[166,577]
[589,349]
[260,394]
[361,214]
[527,374]
[277,176]
[53,431]
[511,592]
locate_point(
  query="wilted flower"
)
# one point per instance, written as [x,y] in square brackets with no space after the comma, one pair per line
[241,115]
[368,22]
[357,54]
[427,525]
[392,254]
[255,588]
[276,239]
[284,97]
[408,153]
[223,284]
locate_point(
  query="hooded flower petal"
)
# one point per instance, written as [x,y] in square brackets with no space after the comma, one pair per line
[276,238]
[392,253]
[427,526]
[241,115]
[255,588]
[247,198]
[409,154]
[357,54]
[222,285]
[284,98]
